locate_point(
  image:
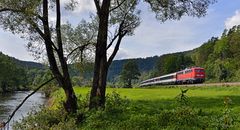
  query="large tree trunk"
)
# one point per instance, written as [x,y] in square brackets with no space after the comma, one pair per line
[70,104]
[97,97]
[62,76]
[129,83]
[63,80]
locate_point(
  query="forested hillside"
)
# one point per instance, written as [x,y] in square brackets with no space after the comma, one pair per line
[12,76]
[220,56]
[18,75]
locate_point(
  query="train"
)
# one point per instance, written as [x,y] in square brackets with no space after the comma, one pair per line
[187,76]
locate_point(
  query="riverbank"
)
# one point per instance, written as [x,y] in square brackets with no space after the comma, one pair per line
[142,108]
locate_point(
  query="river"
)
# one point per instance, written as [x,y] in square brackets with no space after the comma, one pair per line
[9,101]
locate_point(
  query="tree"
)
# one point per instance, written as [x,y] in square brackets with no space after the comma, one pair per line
[129,72]
[11,75]
[31,19]
[128,20]
[122,17]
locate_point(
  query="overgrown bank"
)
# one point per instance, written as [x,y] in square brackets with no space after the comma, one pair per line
[157,108]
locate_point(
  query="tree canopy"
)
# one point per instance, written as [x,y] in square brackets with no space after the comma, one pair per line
[12,76]
[129,72]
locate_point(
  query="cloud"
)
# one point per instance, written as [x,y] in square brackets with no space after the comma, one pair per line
[234,20]
[153,38]
[122,53]
[83,6]
[14,46]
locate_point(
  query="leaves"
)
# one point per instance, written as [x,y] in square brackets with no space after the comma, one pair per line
[129,72]
[11,75]
[175,9]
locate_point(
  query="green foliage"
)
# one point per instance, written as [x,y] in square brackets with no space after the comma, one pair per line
[223,56]
[12,77]
[157,109]
[171,63]
[130,72]
[144,64]
[182,98]
[47,119]
[227,120]
[174,9]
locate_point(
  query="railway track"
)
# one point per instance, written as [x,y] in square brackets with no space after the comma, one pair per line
[212,84]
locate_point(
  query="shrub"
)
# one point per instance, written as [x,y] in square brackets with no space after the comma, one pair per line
[45,119]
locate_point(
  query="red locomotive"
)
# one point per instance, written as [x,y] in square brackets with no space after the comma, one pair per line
[188,75]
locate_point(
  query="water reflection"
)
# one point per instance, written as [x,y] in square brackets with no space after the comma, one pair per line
[9,101]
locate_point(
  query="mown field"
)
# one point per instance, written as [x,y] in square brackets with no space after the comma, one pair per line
[147,108]
[206,98]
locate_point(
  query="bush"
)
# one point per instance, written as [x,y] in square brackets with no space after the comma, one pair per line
[46,119]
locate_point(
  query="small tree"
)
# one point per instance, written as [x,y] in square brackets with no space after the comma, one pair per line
[129,72]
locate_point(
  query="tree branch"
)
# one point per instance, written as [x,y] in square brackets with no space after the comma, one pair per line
[8,9]
[58,25]
[97,4]
[111,42]
[119,4]
[3,124]
[20,11]
[49,45]
[115,49]
[81,48]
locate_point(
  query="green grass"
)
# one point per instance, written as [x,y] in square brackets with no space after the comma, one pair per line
[146,108]
[209,99]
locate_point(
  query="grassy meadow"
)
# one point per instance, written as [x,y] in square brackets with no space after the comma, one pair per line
[155,108]
[205,98]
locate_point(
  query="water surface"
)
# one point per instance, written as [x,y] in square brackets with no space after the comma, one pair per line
[9,101]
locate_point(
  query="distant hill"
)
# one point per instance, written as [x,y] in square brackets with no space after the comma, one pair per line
[144,65]
[26,64]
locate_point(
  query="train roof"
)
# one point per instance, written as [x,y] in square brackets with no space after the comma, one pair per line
[195,67]
[161,76]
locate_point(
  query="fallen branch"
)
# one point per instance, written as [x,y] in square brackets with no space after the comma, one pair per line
[3,124]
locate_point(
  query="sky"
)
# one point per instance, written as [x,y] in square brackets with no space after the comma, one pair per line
[152,37]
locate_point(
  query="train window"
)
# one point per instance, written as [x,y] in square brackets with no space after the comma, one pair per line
[199,70]
[167,77]
[188,71]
